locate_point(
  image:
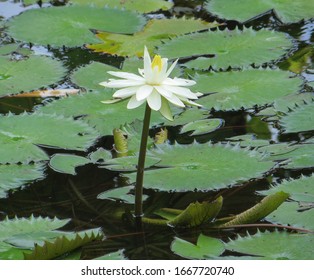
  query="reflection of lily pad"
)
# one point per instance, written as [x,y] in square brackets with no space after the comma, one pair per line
[152,35]
[133,5]
[202,167]
[70,26]
[221,49]
[242,10]
[14,176]
[245,89]
[274,245]
[28,74]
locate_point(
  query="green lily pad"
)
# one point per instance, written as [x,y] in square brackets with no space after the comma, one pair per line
[300,119]
[46,130]
[187,116]
[118,255]
[245,89]
[104,117]
[100,155]
[133,5]
[205,248]
[290,102]
[243,10]
[156,31]
[203,167]
[274,245]
[201,127]
[248,140]
[221,49]
[14,176]
[28,74]
[120,194]
[66,163]
[70,26]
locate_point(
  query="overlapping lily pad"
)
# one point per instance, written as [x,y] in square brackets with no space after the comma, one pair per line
[134,5]
[274,245]
[66,163]
[28,74]
[243,10]
[13,176]
[70,26]
[245,89]
[152,35]
[300,119]
[203,167]
[221,49]
[46,130]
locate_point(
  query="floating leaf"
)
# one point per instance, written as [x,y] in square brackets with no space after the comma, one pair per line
[120,194]
[245,89]
[100,155]
[205,248]
[152,35]
[244,10]
[290,102]
[266,206]
[221,49]
[70,26]
[187,116]
[28,74]
[248,140]
[14,176]
[66,163]
[203,167]
[301,119]
[133,5]
[274,245]
[46,129]
[112,256]
[104,117]
[62,245]
[201,127]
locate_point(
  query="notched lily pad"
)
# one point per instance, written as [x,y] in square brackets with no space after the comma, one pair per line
[201,127]
[66,163]
[70,25]
[221,49]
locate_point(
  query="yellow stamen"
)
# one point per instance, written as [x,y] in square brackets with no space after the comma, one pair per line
[157,62]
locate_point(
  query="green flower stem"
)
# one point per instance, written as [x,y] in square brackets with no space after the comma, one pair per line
[141,164]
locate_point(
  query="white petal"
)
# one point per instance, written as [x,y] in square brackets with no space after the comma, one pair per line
[134,103]
[163,91]
[125,92]
[123,83]
[189,102]
[176,101]
[181,91]
[165,109]
[147,64]
[126,75]
[111,101]
[104,84]
[171,68]
[154,100]
[179,82]
[143,92]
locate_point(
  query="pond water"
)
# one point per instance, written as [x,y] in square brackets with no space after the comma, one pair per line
[75,196]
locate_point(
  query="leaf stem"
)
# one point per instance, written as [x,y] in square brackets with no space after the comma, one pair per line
[141,165]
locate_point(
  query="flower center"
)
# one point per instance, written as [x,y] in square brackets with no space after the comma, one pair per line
[157,62]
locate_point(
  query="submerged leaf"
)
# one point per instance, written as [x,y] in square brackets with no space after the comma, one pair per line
[203,167]
[28,74]
[221,49]
[205,248]
[243,10]
[274,245]
[70,26]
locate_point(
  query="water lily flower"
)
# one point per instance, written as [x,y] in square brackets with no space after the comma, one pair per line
[153,85]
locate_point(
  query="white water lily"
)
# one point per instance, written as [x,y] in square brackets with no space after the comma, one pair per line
[154,86]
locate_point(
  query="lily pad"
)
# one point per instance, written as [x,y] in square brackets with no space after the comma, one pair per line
[156,31]
[46,129]
[28,74]
[66,163]
[70,26]
[201,127]
[14,176]
[274,245]
[300,119]
[133,5]
[221,49]
[118,255]
[205,248]
[245,89]
[203,167]
[243,10]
